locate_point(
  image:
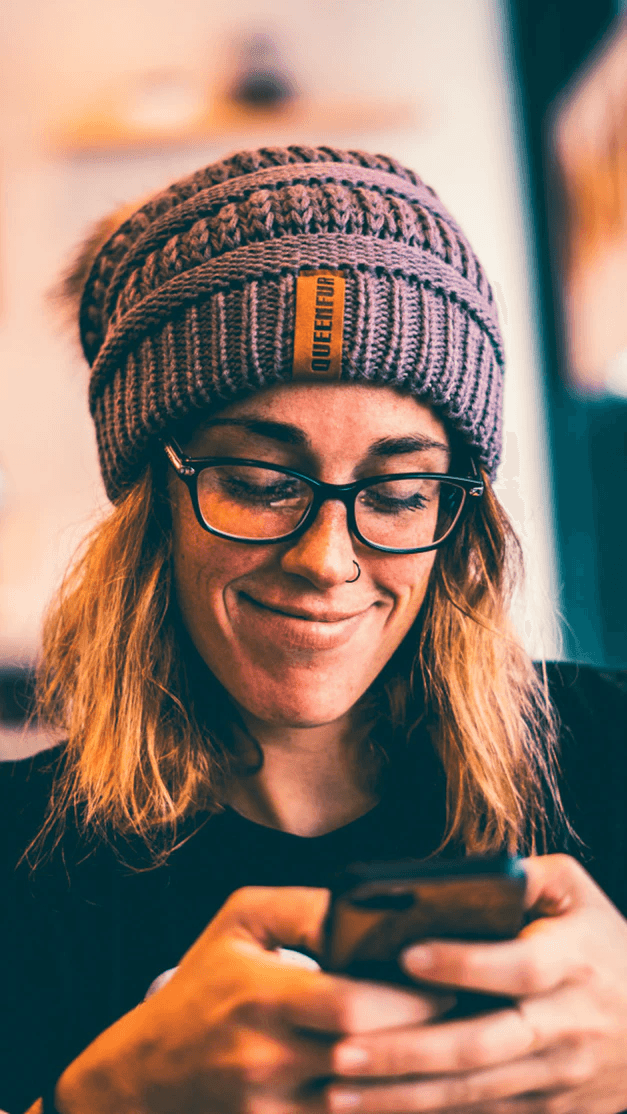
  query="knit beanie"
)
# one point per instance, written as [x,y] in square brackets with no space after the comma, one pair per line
[284,263]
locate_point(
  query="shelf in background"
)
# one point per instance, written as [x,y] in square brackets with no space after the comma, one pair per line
[108,127]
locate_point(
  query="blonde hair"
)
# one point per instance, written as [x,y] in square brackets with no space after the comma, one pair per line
[148,737]
[495,729]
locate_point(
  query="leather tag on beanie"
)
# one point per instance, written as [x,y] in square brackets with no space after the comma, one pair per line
[319,325]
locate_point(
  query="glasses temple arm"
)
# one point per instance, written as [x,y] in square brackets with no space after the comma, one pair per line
[176,462]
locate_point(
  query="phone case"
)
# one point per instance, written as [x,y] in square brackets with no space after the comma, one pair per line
[377,909]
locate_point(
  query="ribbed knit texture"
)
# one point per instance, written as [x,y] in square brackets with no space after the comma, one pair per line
[191,303]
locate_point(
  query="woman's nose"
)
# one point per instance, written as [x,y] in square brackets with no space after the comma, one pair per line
[324,554]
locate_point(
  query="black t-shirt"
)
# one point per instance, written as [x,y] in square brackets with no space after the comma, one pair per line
[83,936]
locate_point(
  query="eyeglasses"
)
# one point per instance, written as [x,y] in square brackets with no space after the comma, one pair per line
[258,503]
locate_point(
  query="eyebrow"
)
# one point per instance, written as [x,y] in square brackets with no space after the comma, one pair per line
[410,443]
[274,431]
[292,435]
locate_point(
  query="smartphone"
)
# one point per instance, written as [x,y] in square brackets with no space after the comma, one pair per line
[379,908]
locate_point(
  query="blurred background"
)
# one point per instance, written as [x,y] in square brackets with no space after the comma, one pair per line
[514,110]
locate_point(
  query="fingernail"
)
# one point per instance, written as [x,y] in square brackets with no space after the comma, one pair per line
[348,1058]
[418,957]
[344,1100]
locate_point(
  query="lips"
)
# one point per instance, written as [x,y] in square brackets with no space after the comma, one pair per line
[292,629]
[299,613]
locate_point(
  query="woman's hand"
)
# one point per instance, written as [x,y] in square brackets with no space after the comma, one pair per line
[562,1049]
[236,1028]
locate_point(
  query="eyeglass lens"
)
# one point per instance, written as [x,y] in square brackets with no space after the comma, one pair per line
[247,502]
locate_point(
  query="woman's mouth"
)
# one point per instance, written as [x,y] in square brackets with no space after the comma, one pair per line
[302,613]
[297,628]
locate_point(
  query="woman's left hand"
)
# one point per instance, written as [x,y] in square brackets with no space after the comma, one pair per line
[561,1049]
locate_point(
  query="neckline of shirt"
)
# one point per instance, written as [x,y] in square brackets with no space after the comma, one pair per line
[265,831]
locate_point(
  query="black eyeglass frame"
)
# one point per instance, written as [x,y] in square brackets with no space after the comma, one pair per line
[188,470]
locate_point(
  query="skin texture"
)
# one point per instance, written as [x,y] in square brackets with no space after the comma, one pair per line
[277,680]
[296,681]
[239,1031]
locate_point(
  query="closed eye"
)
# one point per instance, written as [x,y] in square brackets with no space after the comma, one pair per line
[391,504]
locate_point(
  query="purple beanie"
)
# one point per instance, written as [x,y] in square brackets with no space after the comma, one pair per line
[192,303]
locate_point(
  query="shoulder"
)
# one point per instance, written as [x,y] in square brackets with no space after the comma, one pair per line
[583,691]
[25,789]
[26,782]
[22,771]
[591,705]
[592,708]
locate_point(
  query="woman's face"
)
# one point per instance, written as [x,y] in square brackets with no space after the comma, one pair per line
[292,642]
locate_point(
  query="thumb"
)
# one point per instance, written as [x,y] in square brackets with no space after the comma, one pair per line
[557,884]
[277,917]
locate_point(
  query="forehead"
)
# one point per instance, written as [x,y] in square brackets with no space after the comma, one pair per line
[347,414]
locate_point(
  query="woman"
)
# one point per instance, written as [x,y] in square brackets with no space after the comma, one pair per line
[287,649]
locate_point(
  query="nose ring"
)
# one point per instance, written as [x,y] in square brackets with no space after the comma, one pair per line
[355,577]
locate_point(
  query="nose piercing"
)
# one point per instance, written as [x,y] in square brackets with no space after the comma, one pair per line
[355,577]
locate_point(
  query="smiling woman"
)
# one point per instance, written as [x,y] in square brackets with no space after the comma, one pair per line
[289,648]
[281,626]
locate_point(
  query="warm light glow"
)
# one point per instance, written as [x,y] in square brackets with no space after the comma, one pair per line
[590,143]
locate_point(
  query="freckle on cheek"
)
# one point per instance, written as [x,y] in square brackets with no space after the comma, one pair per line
[201,580]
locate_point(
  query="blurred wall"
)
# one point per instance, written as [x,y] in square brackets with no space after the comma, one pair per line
[449,59]
[572,68]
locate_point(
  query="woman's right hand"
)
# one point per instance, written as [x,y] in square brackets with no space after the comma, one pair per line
[236,1029]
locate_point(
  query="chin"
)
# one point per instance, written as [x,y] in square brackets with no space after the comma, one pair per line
[303,710]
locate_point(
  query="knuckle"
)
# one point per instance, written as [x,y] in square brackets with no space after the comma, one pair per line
[264,1063]
[460,1092]
[398,1058]
[234,901]
[350,1004]
[578,1067]
[533,978]
[477,1050]
[284,1068]
[584,970]
[568,865]
[342,1013]
[253,1012]
[531,1034]
[463,967]
[486,1092]
[245,898]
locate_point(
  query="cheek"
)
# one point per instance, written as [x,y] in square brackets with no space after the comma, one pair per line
[201,573]
[410,595]
[200,569]
[202,565]
[410,585]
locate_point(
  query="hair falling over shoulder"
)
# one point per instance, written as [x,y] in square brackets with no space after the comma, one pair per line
[147,738]
[113,680]
[495,729]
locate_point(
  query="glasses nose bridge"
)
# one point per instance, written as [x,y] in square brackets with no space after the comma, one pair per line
[329,493]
